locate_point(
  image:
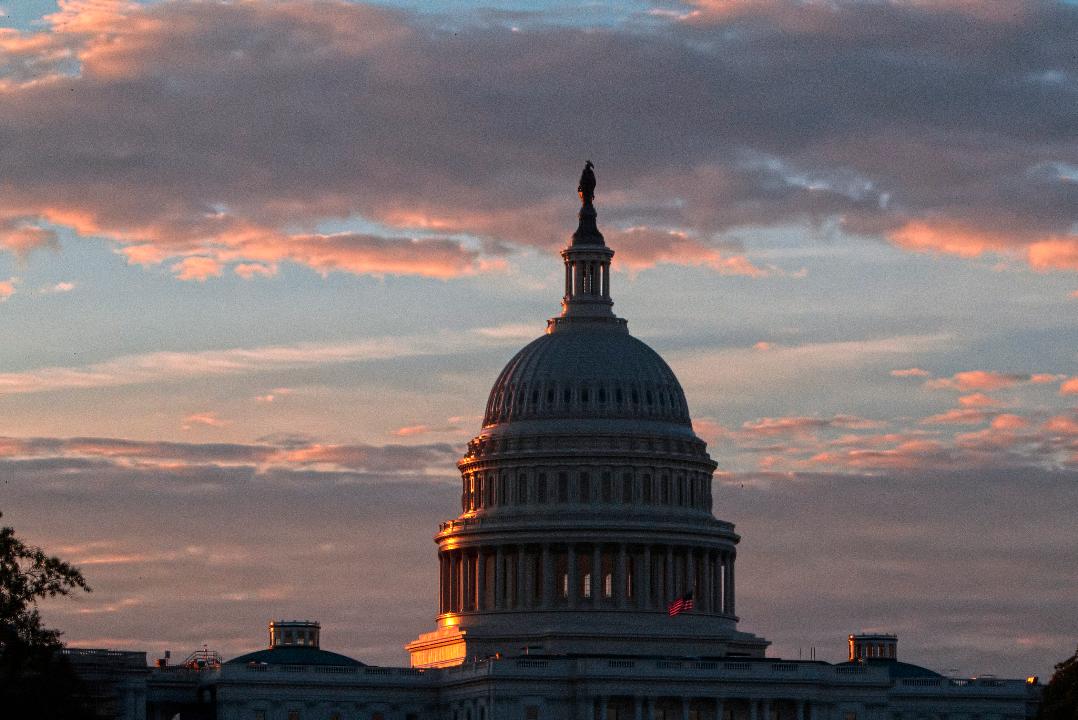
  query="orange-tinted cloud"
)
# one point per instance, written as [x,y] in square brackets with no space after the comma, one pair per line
[978,380]
[639,248]
[7,289]
[978,400]
[197,268]
[1069,387]
[958,416]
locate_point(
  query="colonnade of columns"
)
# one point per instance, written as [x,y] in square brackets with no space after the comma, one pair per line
[587,277]
[583,575]
[694,708]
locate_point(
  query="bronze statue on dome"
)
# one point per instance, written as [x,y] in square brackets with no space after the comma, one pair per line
[586,188]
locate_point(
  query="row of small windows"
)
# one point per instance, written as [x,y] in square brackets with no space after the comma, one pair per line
[527,443]
[522,401]
[333,715]
[485,490]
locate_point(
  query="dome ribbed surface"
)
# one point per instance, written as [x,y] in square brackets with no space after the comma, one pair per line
[593,372]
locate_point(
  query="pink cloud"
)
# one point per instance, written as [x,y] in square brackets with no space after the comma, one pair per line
[1062,425]
[910,372]
[208,419]
[763,346]
[977,380]
[767,427]
[957,416]
[250,270]
[1008,421]
[978,400]
[1054,254]
[197,268]
[1069,387]
[639,248]
[7,289]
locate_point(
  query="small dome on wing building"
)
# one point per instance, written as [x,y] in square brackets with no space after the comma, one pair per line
[294,642]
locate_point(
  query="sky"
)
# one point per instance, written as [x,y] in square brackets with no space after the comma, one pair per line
[261,261]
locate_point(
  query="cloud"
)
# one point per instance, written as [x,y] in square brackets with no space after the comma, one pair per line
[910,372]
[958,416]
[197,267]
[207,419]
[978,380]
[7,288]
[1069,387]
[978,400]
[230,133]
[60,287]
[783,425]
[178,366]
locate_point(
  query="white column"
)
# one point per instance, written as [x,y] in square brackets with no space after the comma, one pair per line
[645,580]
[690,572]
[668,592]
[570,569]
[548,577]
[480,581]
[752,710]
[621,582]
[521,595]
[596,576]
[733,610]
[499,578]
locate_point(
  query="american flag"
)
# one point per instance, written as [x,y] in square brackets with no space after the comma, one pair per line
[680,605]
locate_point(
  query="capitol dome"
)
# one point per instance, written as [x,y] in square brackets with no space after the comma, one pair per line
[595,371]
[586,499]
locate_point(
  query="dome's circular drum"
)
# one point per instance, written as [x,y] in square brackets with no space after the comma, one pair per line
[590,372]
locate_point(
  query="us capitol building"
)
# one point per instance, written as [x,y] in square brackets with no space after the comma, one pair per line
[586,509]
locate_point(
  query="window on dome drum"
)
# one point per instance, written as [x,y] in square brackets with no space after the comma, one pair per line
[522,489]
[608,488]
[503,489]
[664,490]
[608,586]
[567,395]
[531,712]
[563,487]
[617,396]
[636,397]
[602,394]
[627,488]
[584,395]
[550,396]
[585,487]
[293,715]
[540,488]
[260,715]
[587,585]
[646,487]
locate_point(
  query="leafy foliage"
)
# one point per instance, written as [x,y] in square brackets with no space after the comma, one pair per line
[1060,700]
[35,678]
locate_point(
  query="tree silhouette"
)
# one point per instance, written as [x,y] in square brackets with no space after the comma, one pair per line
[35,678]
[1060,701]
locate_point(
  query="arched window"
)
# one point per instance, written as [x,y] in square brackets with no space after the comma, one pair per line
[627,487]
[585,487]
[540,488]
